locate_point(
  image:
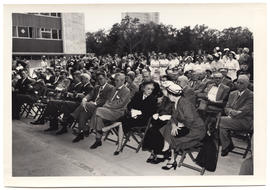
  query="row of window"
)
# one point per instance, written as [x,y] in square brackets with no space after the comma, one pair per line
[31,32]
[47,14]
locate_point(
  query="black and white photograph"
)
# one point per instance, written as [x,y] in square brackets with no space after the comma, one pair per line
[135,90]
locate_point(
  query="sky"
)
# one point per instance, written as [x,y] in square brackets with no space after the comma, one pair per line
[214,16]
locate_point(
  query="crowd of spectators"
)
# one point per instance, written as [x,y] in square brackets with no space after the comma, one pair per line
[125,91]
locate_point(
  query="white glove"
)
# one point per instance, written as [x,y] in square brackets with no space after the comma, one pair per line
[165,117]
[155,116]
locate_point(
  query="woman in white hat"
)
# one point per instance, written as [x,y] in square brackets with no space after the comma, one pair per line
[185,129]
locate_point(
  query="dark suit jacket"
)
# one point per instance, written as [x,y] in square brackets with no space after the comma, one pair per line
[104,94]
[244,103]
[23,86]
[223,92]
[133,89]
[148,106]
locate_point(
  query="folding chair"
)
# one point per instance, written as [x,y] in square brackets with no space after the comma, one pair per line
[113,131]
[246,136]
[189,152]
[137,134]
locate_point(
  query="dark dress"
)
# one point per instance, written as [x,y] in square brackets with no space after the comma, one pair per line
[148,107]
[185,113]
[153,139]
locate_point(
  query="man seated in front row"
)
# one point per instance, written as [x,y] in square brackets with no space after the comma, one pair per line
[112,110]
[239,113]
[96,98]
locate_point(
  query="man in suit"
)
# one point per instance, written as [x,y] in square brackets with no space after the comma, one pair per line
[239,111]
[130,84]
[69,101]
[112,110]
[214,93]
[22,93]
[96,98]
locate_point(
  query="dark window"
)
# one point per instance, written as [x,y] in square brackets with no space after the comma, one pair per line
[37,32]
[59,14]
[14,31]
[47,14]
[54,34]
[30,32]
[60,34]
[23,32]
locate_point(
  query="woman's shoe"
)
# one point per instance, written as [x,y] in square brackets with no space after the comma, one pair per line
[151,158]
[170,165]
[157,160]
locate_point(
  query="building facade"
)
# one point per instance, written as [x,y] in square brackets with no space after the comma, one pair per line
[48,34]
[144,17]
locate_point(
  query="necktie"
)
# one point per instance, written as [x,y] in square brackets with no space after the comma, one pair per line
[99,91]
[115,94]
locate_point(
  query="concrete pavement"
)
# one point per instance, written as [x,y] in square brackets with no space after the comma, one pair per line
[36,153]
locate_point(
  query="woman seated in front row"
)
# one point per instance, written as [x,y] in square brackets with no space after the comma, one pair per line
[185,129]
[141,107]
[153,140]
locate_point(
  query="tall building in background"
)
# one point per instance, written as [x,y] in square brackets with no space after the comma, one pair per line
[144,17]
[48,34]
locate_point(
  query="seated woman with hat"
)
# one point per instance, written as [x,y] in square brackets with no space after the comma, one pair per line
[185,129]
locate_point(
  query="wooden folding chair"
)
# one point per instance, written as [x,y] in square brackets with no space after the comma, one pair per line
[137,134]
[246,136]
[189,152]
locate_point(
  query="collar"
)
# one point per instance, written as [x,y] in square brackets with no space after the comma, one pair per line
[119,88]
[86,84]
[241,93]
[102,87]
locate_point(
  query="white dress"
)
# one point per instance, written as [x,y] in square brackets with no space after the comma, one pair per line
[188,67]
[233,67]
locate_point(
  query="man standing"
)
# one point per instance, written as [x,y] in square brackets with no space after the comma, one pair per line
[96,98]
[239,111]
[112,110]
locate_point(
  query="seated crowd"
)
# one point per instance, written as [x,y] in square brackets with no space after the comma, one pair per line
[173,92]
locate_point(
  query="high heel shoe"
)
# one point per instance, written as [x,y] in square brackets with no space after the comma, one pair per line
[169,166]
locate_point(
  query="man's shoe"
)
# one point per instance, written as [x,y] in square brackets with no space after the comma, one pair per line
[226,151]
[96,144]
[51,129]
[78,138]
[62,131]
[38,122]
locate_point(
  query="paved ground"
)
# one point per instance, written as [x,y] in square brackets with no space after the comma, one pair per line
[36,153]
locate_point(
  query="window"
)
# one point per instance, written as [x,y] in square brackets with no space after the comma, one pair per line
[31,32]
[53,14]
[46,33]
[60,34]
[59,14]
[14,31]
[38,33]
[46,14]
[23,32]
[55,34]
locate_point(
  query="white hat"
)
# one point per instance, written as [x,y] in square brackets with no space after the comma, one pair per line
[246,50]
[174,89]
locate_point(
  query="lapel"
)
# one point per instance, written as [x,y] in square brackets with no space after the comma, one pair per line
[220,92]
[241,99]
